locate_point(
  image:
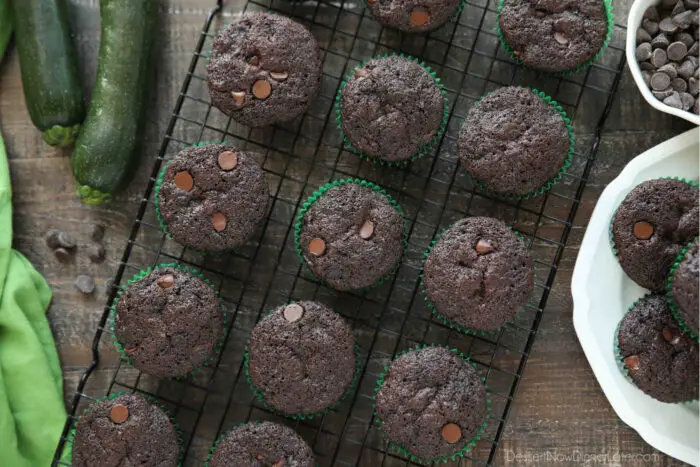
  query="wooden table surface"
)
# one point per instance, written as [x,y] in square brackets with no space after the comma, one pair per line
[560,409]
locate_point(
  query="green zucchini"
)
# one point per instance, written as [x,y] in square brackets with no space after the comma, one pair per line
[105,155]
[49,68]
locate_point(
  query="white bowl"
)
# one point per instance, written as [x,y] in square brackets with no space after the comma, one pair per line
[634,21]
[602,293]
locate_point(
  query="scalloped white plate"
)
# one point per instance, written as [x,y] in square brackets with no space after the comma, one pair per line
[602,294]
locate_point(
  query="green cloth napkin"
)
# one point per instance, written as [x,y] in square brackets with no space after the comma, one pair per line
[31,387]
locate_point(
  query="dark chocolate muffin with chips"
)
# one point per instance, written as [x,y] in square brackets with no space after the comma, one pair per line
[554,35]
[656,220]
[413,15]
[432,403]
[301,358]
[478,274]
[261,445]
[125,430]
[169,322]
[264,68]
[660,359]
[514,142]
[212,197]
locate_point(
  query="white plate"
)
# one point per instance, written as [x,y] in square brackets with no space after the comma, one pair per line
[602,294]
[634,20]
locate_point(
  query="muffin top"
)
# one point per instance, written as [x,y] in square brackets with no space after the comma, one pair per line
[413,15]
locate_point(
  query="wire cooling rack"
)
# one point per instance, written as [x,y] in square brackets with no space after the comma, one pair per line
[435,191]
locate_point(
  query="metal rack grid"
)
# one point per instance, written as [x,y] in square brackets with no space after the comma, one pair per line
[301,155]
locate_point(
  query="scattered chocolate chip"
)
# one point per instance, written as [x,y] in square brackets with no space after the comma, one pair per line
[660,81]
[643,230]
[130,349]
[367,230]
[670,70]
[451,432]
[660,42]
[262,89]
[166,281]
[63,255]
[668,334]
[674,100]
[51,239]
[184,181]
[119,413]
[371,2]
[632,362]
[293,312]
[563,40]
[238,96]
[643,52]
[85,284]
[96,253]
[218,220]
[228,160]
[317,247]
[279,75]
[687,100]
[484,247]
[278,463]
[677,51]
[420,17]
[260,457]
[652,27]
[659,58]
[666,26]
[97,233]
[65,240]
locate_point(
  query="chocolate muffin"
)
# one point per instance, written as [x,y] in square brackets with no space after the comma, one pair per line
[516,142]
[259,445]
[125,430]
[413,15]
[212,197]
[391,109]
[432,404]
[478,274]
[683,288]
[264,69]
[301,358]
[659,358]
[350,234]
[168,322]
[554,35]
[652,225]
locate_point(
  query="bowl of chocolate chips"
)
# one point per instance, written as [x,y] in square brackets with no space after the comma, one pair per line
[663,54]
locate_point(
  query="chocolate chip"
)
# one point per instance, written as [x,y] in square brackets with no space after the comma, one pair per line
[293,312]
[651,13]
[647,66]
[660,42]
[540,13]
[279,463]
[253,60]
[420,17]
[632,362]
[361,72]
[451,432]
[678,8]
[96,253]
[687,100]
[668,334]
[51,239]
[166,281]
[218,220]
[677,51]
[693,86]
[367,230]
[184,181]
[279,75]
[262,89]
[652,27]
[694,49]
[686,69]
[666,25]
[685,38]
[484,247]
[563,40]
[130,350]
[684,20]
[679,85]
[661,95]
[643,230]
[119,413]
[659,58]
[674,100]
[238,96]
[97,233]
[260,457]
[317,247]
[643,52]
[63,255]
[660,81]
[371,2]
[85,284]
[65,240]
[646,77]
[227,160]
[642,36]
[670,70]
[692,4]
[668,4]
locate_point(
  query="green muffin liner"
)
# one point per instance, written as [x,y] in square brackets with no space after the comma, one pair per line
[443,319]
[323,189]
[67,454]
[159,183]
[620,360]
[402,450]
[145,272]
[611,25]
[669,291]
[261,397]
[425,148]
[483,186]
[611,238]
[454,17]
